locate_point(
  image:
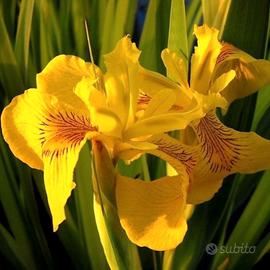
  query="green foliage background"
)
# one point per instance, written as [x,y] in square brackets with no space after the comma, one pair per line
[34,31]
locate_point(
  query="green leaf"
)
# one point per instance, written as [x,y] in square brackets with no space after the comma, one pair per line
[49,33]
[33,220]
[123,17]
[16,220]
[68,232]
[106,31]
[155,34]
[251,33]
[23,34]
[250,36]
[119,21]
[8,64]
[9,15]
[261,249]
[10,249]
[119,251]
[84,210]
[194,15]
[251,224]
[177,40]
[215,13]
[65,24]
[132,170]
[189,253]
[263,101]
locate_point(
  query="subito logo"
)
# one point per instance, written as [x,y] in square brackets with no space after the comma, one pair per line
[211,249]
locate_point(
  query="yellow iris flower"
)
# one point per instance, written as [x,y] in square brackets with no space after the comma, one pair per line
[220,73]
[74,102]
[128,109]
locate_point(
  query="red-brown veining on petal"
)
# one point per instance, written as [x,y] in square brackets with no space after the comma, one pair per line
[176,151]
[64,130]
[143,99]
[220,148]
[177,107]
[226,50]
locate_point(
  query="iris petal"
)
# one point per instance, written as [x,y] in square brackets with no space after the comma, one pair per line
[155,124]
[61,75]
[224,151]
[152,213]
[122,80]
[204,58]
[47,134]
[153,82]
[181,157]
[251,74]
[161,102]
[102,116]
[175,67]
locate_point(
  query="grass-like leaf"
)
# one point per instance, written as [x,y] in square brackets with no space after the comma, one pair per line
[177,39]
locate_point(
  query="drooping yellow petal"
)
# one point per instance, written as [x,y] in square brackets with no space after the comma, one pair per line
[122,80]
[251,74]
[224,151]
[59,165]
[203,190]
[153,213]
[204,58]
[20,127]
[175,67]
[47,134]
[61,75]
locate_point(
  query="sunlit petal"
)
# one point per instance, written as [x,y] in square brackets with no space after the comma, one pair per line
[61,75]
[221,82]
[175,67]
[48,135]
[160,103]
[181,157]
[251,74]
[102,116]
[225,151]
[204,58]
[153,82]
[152,213]
[122,79]
[155,124]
